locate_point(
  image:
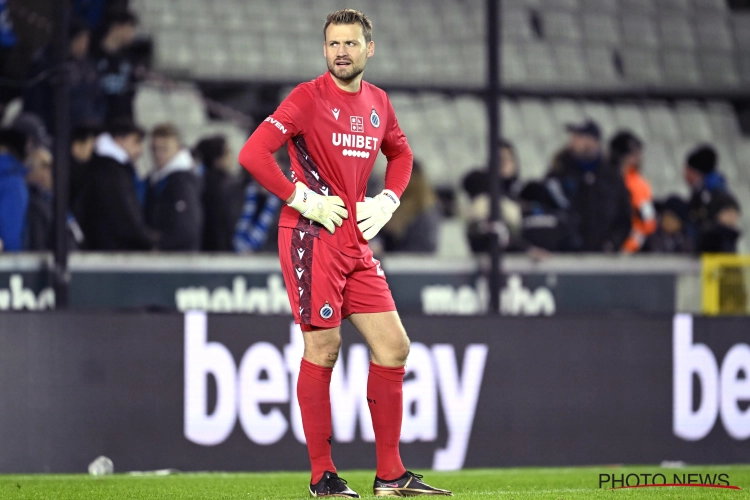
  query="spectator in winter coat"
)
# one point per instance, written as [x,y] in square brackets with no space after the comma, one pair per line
[415,225]
[723,231]
[625,155]
[82,141]
[706,184]
[109,211]
[115,66]
[671,235]
[173,205]
[594,195]
[39,216]
[87,105]
[14,195]
[477,186]
[223,194]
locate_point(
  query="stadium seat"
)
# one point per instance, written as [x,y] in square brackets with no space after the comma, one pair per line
[676,32]
[639,31]
[680,68]
[641,66]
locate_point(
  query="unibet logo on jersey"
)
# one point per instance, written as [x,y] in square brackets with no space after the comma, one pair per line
[261,390]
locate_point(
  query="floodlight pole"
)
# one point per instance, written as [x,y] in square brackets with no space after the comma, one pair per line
[494,54]
[61,83]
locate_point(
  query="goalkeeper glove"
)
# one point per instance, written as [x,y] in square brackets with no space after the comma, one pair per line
[327,210]
[373,213]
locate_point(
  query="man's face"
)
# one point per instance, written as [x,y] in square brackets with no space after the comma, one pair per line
[132,144]
[584,145]
[39,164]
[346,50]
[164,149]
[124,34]
[79,46]
[693,178]
[508,166]
[82,150]
[633,159]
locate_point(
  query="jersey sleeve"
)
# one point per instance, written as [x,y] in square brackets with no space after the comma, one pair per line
[290,119]
[398,153]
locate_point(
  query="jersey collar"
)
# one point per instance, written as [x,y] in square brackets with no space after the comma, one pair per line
[329,81]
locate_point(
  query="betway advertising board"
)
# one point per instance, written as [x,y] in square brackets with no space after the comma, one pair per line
[254,285]
[197,392]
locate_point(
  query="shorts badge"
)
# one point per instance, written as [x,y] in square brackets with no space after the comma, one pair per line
[326,312]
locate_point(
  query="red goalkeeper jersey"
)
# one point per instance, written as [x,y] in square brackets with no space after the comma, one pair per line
[333,138]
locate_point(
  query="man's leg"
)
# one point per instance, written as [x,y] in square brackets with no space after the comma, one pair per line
[314,396]
[389,347]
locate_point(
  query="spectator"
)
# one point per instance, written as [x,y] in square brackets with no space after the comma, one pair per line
[256,220]
[173,205]
[545,223]
[86,100]
[722,233]
[705,183]
[671,235]
[477,186]
[223,194]
[14,195]
[115,65]
[414,226]
[626,155]
[109,211]
[594,195]
[39,216]
[82,142]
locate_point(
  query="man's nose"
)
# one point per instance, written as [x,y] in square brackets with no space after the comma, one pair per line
[341,51]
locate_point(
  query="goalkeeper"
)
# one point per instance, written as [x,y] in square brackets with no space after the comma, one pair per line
[334,127]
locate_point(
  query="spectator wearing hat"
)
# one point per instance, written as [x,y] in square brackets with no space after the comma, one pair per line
[705,183]
[626,155]
[108,210]
[594,195]
[39,216]
[671,235]
[14,195]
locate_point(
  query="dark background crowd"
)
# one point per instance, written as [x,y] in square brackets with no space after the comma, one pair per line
[593,197]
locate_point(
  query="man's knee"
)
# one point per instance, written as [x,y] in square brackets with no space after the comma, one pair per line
[393,353]
[322,347]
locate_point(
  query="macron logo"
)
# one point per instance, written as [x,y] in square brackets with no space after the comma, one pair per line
[336,112]
[276,124]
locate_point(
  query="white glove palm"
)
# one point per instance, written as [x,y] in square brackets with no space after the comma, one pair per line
[374,213]
[327,210]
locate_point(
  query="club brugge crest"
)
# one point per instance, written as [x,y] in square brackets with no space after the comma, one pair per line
[326,311]
[374,118]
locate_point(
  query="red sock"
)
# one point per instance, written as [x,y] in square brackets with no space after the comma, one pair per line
[385,398]
[314,396]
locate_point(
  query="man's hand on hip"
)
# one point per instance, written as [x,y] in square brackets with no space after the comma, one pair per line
[327,210]
[373,213]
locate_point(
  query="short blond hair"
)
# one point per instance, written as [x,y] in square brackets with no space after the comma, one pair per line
[166,130]
[350,16]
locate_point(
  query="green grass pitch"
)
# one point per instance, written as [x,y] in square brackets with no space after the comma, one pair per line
[517,483]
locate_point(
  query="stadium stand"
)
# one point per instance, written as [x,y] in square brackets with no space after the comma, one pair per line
[582,44]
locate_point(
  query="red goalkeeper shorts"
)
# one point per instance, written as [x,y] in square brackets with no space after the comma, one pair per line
[325,286]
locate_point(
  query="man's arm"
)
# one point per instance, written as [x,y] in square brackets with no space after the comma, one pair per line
[374,213]
[398,153]
[256,156]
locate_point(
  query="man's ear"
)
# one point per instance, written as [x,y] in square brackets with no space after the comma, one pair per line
[370,48]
